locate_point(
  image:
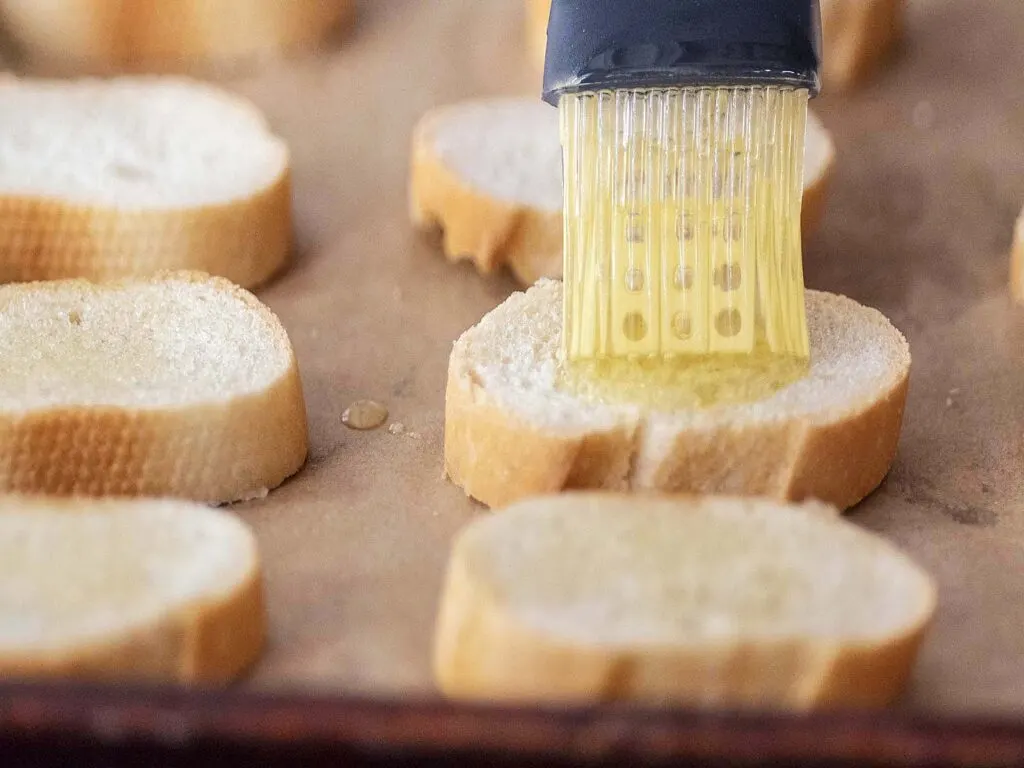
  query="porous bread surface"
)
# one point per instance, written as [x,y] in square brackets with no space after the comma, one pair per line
[720,602]
[614,570]
[514,428]
[506,147]
[133,143]
[179,385]
[138,345]
[77,572]
[515,355]
[488,173]
[509,149]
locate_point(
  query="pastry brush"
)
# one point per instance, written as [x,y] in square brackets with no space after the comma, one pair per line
[682,126]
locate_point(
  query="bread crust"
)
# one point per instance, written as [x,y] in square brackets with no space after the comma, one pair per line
[209,641]
[791,674]
[213,452]
[537,14]
[1017,261]
[838,458]
[492,233]
[246,241]
[212,642]
[484,653]
[108,36]
[495,233]
[858,36]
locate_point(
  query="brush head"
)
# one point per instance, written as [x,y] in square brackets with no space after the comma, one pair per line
[682,126]
[682,239]
[630,44]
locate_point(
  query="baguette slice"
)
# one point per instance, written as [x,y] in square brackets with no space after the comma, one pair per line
[107,179]
[489,173]
[180,385]
[104,36]
[712,602]
[858,34]
[513,430]
[1017,261]
[537,14]
[151,590]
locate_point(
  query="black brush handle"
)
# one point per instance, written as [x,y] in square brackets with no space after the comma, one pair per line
[612,44]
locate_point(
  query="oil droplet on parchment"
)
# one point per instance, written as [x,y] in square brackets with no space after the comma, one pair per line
[364,414]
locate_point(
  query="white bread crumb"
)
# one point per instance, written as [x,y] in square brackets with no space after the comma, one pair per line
[133,143]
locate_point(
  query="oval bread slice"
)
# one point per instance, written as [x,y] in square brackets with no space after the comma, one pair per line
[127,177]
[1017,261]
[537,14]
[488,173]
[154,590]
[513,430]
[180,385]
[857,36]
[711,602]
[165,35]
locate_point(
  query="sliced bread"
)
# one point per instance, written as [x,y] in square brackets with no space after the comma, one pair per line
[513,429]
[165,35]
[858,34]
[151,590]
[489,174]
[537,14]
[179,385]
[106,179]
[711,602]
[1017,261]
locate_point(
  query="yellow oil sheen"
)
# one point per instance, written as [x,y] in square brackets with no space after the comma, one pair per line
[682,265]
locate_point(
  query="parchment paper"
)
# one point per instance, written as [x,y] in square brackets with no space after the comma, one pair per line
[929,182]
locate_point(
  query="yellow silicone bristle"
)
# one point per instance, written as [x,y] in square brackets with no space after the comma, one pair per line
[682,225]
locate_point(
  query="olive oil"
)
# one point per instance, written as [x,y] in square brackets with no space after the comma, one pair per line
[682,266]
[365,415]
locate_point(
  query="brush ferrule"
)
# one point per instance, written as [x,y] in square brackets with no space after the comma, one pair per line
[598,45]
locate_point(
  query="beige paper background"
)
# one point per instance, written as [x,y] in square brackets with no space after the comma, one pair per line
[930,179]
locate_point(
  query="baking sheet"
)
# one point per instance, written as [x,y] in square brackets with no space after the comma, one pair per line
[930,179]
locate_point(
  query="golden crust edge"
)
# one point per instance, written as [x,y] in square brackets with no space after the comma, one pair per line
[474,639]
[210,641]
[279,409]
[495,234]
[167,36]
[247,241]
[497,458]
[859,37]
[1017,262]
[537,13]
